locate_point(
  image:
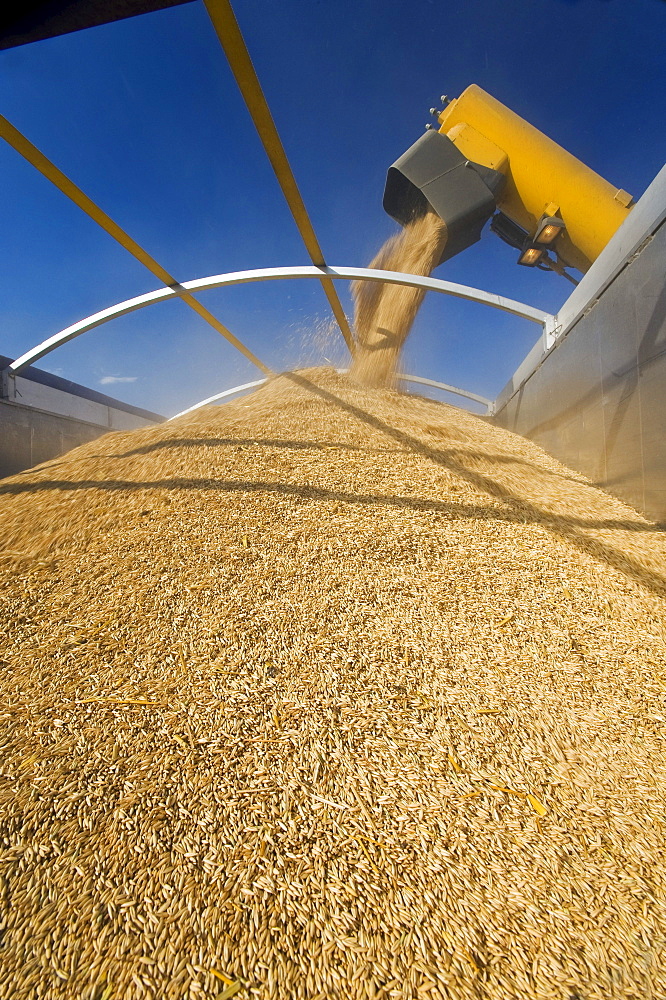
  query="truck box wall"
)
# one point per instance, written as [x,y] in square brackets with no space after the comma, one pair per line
[43,416]
[597,399]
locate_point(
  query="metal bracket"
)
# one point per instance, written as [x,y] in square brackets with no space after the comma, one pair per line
[7,384]
[551,331]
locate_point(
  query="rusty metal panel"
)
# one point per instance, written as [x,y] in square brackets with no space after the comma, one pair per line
[597,401]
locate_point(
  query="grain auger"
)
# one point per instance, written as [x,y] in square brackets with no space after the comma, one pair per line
[485,162]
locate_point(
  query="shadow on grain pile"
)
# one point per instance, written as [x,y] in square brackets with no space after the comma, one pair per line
[329,693]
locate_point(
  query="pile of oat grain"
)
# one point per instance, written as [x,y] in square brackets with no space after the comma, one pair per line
[329,693]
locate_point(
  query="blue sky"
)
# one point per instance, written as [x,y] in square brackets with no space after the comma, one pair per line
[145,117]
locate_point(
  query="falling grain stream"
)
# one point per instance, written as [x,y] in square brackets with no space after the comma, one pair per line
[384,313]
[326,693]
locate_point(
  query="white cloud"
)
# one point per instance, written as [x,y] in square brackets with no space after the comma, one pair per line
[111,379]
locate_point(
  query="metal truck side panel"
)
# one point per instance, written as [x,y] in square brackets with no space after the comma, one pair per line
[597,401]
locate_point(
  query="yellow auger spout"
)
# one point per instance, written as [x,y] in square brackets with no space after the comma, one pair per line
[485,158]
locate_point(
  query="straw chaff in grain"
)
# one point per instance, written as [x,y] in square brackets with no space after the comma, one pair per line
[329,693]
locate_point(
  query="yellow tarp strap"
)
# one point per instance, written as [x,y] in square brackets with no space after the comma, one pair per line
[231,39]
[23,146]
